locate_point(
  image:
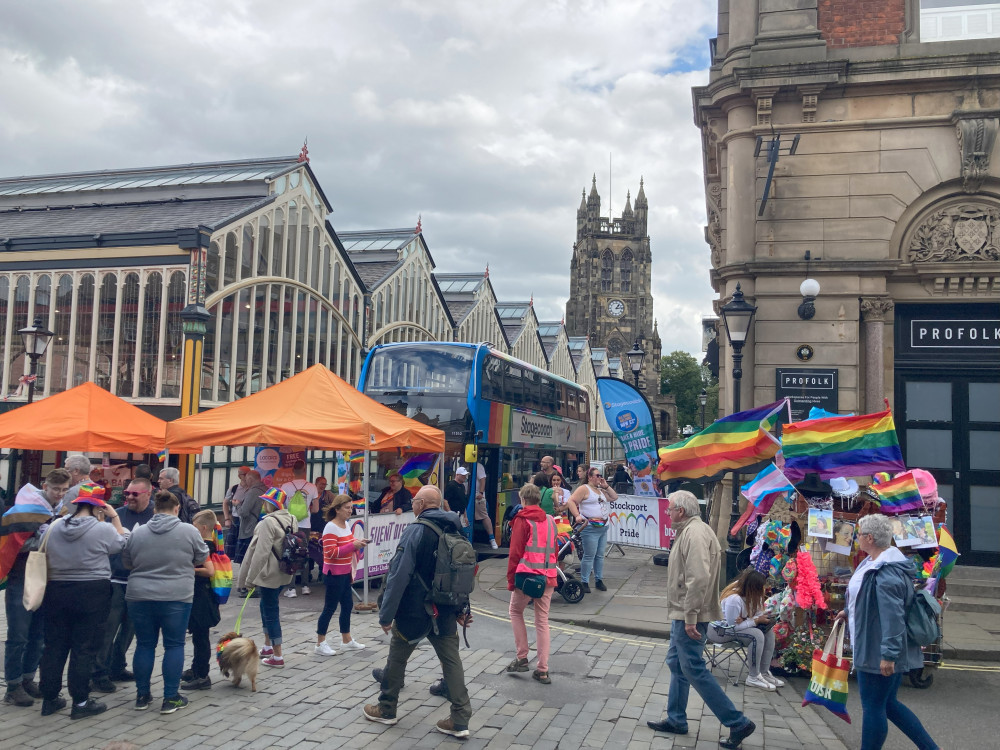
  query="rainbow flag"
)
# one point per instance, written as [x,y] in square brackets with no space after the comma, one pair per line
[415,467]
[356,457]
[947,552]
[899,495]
[18,525]
[841,446]
[163,455]
[732,442]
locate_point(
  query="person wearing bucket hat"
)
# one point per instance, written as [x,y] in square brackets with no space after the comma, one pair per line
[813,486]
[77,598]
[261,569]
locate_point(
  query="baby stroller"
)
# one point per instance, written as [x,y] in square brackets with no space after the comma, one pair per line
[567,584]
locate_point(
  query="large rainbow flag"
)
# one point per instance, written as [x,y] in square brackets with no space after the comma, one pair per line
[732,442]
[899,495]
[841,446]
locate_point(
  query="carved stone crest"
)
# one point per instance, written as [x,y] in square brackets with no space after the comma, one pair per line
[713,231]
[960,232]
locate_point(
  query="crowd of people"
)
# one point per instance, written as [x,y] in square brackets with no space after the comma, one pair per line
[142,571]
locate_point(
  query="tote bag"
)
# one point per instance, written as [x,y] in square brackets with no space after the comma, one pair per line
[828,685]
[36,574]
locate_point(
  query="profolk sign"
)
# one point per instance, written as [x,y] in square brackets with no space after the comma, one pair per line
[955,334]
[806,388]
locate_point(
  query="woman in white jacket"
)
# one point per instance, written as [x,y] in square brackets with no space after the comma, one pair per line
[742,604]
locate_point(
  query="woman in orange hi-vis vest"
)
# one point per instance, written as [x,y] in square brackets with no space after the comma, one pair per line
[532,553]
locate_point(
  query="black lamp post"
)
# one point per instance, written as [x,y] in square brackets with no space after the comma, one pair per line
[737,314]
[635,357]
[36,340]
[703,399]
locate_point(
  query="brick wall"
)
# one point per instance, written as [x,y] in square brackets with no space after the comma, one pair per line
[861,23]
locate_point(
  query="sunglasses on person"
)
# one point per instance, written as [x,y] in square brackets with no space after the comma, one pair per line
[134,494]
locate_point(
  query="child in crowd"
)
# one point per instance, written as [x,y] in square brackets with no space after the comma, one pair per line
[204,608]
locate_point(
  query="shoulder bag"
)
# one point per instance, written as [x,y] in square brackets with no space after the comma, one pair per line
[36,574]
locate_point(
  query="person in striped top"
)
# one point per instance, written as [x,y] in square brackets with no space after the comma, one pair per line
[340,552]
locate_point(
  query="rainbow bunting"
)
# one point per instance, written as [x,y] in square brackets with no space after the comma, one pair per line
[732,442]
[947,552]
[899,495]
[415,467]
[841,446]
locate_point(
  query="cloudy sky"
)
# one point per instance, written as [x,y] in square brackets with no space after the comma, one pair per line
[486,118]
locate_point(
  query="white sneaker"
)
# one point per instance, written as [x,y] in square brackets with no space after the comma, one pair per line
[772,679]
[760,682]
[323,649]
[306,591]
[493,544]
[290,593]
[352,645]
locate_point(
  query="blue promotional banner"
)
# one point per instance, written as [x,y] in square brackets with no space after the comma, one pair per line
[631,420]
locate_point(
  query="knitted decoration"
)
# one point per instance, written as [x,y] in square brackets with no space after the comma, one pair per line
[808,593]
[782,632]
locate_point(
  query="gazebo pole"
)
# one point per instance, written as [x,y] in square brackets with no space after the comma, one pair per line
[365,604]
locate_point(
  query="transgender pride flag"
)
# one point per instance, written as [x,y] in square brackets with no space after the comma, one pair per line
[761,491]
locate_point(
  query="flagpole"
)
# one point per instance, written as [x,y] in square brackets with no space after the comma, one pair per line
[364,497]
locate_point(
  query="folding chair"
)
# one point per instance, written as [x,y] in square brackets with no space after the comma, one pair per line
[729,655]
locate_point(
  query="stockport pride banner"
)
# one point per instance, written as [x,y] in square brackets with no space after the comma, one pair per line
[640,522]
[383,534]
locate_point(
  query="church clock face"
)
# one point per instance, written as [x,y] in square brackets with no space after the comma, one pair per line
[616,308]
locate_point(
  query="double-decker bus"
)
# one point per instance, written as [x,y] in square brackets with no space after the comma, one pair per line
[512,412]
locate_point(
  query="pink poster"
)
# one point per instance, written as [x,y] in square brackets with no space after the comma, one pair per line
[666,533]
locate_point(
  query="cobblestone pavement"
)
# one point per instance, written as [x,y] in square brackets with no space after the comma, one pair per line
[605,687]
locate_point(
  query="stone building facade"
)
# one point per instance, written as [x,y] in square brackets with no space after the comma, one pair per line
[885,190]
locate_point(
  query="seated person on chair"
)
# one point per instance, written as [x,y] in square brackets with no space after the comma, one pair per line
[394,499]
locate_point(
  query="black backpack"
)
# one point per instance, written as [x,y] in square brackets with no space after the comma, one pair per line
[294,551]
[455,566]
[189,507]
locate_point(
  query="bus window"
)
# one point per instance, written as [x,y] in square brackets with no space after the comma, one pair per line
[571,412]
[493,379]
[513,392]
[561,408]
[532,396]
[548,392]
[584,407]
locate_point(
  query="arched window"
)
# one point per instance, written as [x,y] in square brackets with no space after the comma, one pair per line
[84,329]
[247,254]
[335,289]
[212,269]
[264,235]
[107,303]
[229,264]
[304,261]
[4,312]
[278,246]
[128,330]
[149,354]
[324,287]
[293,231]
[626,274]
[256,366]
[43,303]
[607,271]
[174,341]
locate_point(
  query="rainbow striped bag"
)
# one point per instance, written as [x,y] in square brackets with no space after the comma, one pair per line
[222,578]
[828,685]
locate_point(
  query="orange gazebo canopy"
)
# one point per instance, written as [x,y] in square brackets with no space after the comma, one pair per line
[314,408]
[86,418]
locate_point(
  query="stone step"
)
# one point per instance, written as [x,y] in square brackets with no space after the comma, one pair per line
[966,572]
[973,604]
[973,588]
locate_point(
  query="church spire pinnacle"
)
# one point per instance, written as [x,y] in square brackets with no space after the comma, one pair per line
[628,204]
[640,198]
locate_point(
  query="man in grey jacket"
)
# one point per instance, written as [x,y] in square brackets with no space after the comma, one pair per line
[249,512]
[692,603]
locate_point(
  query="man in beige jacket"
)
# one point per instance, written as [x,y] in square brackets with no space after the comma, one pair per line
[692,603]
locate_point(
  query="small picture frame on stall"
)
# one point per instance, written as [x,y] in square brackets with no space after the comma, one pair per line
[902,532]
[923,530]
[820,523]
[843,538]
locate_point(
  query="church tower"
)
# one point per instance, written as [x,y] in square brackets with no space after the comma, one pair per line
[610,300]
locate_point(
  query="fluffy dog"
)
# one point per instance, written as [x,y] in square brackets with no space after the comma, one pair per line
[237,656]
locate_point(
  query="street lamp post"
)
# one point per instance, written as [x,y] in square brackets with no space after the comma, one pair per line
[703,399]
[36,340]
[635,357]
[737,314]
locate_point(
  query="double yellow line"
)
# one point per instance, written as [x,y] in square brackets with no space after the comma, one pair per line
[970,668]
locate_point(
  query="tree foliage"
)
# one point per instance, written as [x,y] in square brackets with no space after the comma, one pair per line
[682,376]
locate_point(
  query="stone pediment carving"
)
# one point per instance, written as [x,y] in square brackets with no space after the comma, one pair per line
[960,232]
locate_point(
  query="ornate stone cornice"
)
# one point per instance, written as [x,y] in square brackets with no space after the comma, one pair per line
[874,308]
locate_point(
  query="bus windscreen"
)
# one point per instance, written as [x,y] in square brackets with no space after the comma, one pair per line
[420,369]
